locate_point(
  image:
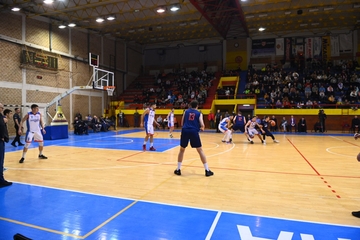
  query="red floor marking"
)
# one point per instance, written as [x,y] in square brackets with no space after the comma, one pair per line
[329,186]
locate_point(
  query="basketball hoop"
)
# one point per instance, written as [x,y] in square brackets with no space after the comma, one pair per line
[110,90]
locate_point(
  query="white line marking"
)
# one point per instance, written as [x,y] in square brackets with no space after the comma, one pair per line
[213,225]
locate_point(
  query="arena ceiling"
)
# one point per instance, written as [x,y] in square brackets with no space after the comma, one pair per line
[196,21]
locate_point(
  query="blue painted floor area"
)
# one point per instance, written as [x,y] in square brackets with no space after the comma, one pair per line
[107,140]
[46,213]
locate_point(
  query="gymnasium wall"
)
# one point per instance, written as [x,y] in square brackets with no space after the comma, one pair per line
[24,84]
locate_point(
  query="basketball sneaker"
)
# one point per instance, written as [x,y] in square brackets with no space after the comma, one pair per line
[356,214]
[42,157]
[152,149]
[170,135]
[276,141]
[251,141]
[177,172]
[144,147]
[356,136]
[264,142]
[22,160]
[208,173]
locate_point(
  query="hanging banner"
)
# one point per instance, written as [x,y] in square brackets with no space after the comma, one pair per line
[326,51]
[335,47]
[263,47]
[317,48]
[288,49]
[309,43]
[346,43]
[279,46]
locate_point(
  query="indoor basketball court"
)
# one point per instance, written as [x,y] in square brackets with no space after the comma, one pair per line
[103,186]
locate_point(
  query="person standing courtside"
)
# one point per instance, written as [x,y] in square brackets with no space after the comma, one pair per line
[35,126]
[356,213]
[218,118]
[4,137]
[17,120]
[170,120]
[147,121]
[211,118]
[192,122]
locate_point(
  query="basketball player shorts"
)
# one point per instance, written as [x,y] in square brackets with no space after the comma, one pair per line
[37,136]
[223,128]
[267,132]
[253,131]
[170,124]
[192,136]
[238,127]
[149,129]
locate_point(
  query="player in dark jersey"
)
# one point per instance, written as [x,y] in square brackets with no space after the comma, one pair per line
[192,122]
[265,124]
[239,122]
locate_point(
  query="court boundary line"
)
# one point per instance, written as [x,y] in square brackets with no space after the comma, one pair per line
[40,228]
[186,206]
[308,162]
[213,226]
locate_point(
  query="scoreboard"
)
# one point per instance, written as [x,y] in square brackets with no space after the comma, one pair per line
[39,60]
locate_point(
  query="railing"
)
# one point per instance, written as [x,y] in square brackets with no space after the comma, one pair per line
[313,106]
[235,96]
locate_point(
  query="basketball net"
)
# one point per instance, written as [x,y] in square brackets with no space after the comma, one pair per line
[110,90]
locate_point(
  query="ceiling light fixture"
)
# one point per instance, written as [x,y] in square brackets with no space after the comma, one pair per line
[159,27]
[328,8]
[182,24]
[62,26]
[131,30]
[99,20]
[356,5]
[15,9]
[175,8]
[193,23]
[48,1]
[313,10]
[287,13]
[262,29]
[141,29]
[71,24]
[110,18]
[136,10]
[160,10]
[249,16]
[303,24]
[315,24]
[263,15]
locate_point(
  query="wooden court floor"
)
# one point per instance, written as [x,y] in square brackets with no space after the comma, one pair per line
[304,177]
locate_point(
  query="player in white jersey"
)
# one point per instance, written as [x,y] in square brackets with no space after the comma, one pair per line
[170,119]
[35,128]
[225,127]
[250,130]
[147,121]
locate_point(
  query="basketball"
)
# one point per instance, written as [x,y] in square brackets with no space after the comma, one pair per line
[272,123]
[358,157]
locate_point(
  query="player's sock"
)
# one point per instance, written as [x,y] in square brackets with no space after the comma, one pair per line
[145,142]
[206,166]
[151,144]
[179,165]
[40,153]
[23,154]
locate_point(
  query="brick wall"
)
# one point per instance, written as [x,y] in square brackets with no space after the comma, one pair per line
[11,30]
[79,44]
[60,39]
[37,32]
[10,62]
